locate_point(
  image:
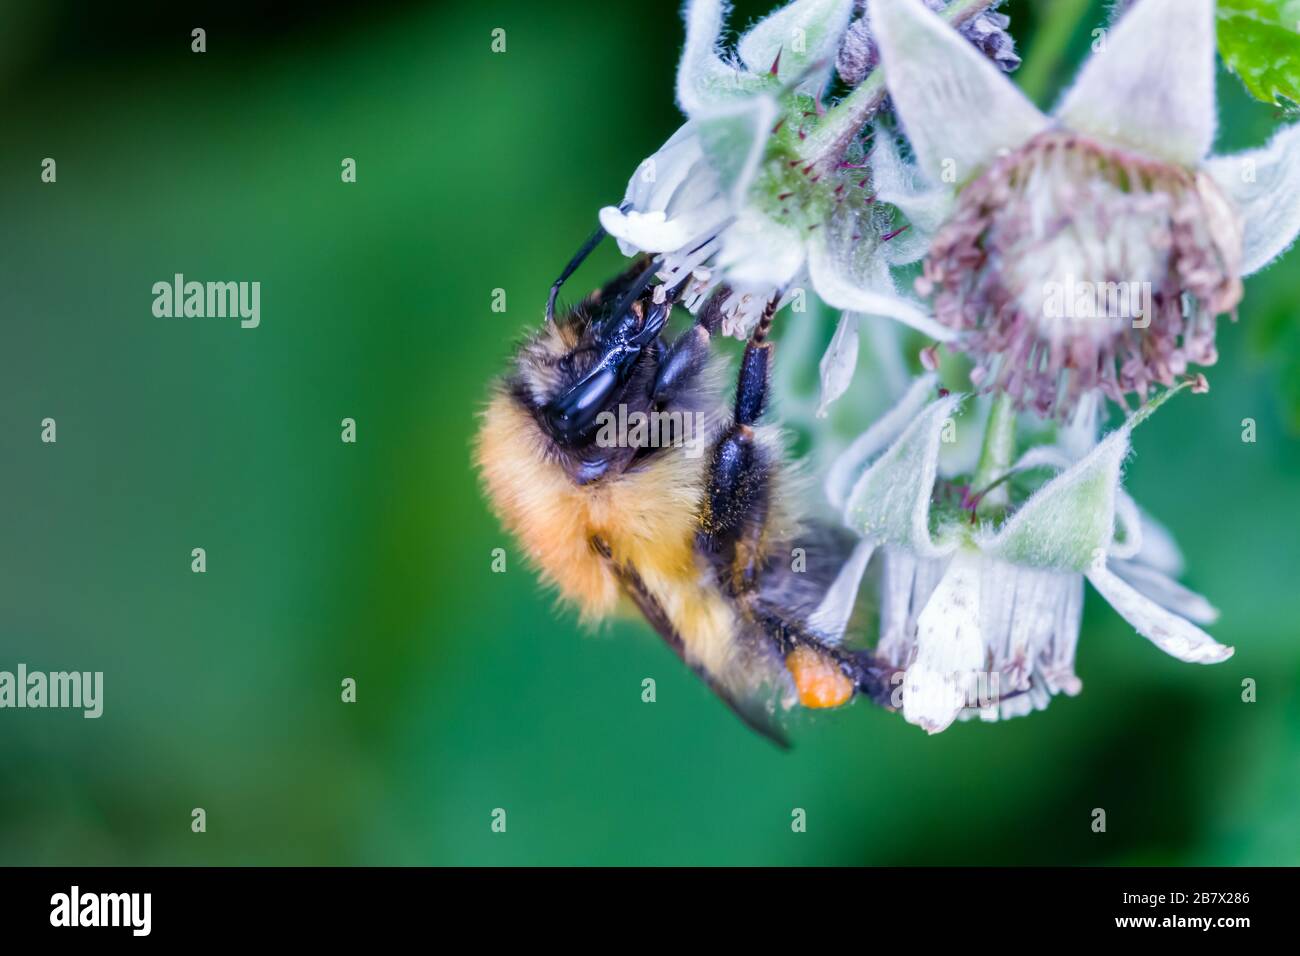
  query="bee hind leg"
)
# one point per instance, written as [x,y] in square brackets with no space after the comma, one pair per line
[827,675]
[872,677]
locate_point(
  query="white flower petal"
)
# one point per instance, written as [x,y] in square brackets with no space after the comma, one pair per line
[891,501]
[1172,634]
[1043,456]
[839,362]
[1030,626]
[1159,549]
[847,468]
[1166,592]
[840,290]
[673,197]
[1018,705]
[1152,85]
[957,107]
[832,616]
[998,609]
[1058,669]
[733,139]
[897,630]
[1069,523]
[906,583]
[649,231]
[805,34]
[949,651]
[659,176]
[1079,435]
[758,253]
[1264,186]
[1038,597]
[1130,520]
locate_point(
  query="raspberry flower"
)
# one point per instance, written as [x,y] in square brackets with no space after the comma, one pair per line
[764,186]
[982,617]
[1093,249]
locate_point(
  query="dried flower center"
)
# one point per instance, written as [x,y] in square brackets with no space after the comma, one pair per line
[1070,266]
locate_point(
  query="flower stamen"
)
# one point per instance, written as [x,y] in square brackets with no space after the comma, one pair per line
[1071,265]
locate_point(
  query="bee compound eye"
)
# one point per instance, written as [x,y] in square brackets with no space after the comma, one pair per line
[571,415]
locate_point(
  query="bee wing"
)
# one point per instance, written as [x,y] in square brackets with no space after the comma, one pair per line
[750,708]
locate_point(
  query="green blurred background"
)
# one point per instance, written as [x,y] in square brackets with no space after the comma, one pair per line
[479,171]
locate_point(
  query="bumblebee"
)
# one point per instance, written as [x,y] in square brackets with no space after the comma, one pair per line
[709,547]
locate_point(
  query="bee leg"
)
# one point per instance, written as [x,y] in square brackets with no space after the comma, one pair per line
[690,351]
[681,363]
[827,674]
[738,484]
[710,315]
[755,370]
[612,290]
[873,678]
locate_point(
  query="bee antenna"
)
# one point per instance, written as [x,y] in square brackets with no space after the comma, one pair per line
[578,258]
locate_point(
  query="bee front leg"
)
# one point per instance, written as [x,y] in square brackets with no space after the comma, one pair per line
[689,353]
[613,290]
[681,364]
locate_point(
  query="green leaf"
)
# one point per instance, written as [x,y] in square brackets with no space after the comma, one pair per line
[1259,41]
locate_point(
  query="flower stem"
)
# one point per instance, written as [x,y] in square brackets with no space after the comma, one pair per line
[996,455]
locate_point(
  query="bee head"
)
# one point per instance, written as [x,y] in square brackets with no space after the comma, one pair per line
[606,373]
[592,359]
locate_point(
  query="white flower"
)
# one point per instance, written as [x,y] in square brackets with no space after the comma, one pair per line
[1111,201]
[762,187]
[983,619]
